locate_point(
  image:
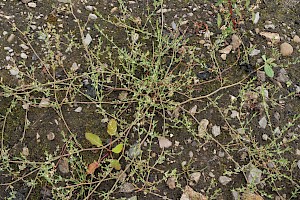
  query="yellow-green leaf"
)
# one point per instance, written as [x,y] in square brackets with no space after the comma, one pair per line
[269,71]
[115,164]
[112,127]
[118,148]
[93,139]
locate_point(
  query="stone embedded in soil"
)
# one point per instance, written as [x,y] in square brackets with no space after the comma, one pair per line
[254,52]
[87,40]
[234,114]
[92,16]
[126,187]
[24,46]
[194,178]
[286,49]
[190,194]
[11,38]
[216,130]
[50,136]
[236,195]
[282,76]
[23,55]
[164,142]
[32,5]
[14,71]
[223,56]
[45,102]
[261,76]
[253,175]
[171,183]
[78,109]
[226,50]
[265,137]
[271,36]
[235,42]
[193,110]
[296,39]
[25,151]
[256,18]
[63,166]
[298,164]
[224,180]
[202,128]
[263,122]
[251,196]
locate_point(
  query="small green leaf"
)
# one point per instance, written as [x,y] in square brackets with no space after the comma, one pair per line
[93,139]
[118,148]
[269,71]
[115,164]
[112,127]
[219,20]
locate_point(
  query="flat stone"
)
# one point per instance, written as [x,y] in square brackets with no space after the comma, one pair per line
[271,36]
[224,180]
[32,5]
[226,50]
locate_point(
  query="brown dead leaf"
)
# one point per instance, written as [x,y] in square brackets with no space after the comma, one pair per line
[92,167]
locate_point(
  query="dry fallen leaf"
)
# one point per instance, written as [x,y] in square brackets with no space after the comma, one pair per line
[92,167]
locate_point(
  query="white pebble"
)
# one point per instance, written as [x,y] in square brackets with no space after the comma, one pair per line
[89,8]
[24,46]
[79,109]
[92,16]
[87,40]
[14,71]
[31,5]
[23,55]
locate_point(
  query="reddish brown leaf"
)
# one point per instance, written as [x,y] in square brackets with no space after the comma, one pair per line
[92,167]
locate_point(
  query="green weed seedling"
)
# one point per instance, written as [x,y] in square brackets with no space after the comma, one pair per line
[95,140]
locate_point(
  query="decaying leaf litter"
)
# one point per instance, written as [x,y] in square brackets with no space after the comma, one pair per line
[161,100]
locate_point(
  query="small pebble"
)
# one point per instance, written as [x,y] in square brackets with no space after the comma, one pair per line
[23,55]
[221,154]
[216,130]
[24,46]
[50,136]
[25,151]
[89,8]
[78,110]
[32,5]
[224,180]
[11,38]
[92,16]
[286,49]
[265,137]
[296,39]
